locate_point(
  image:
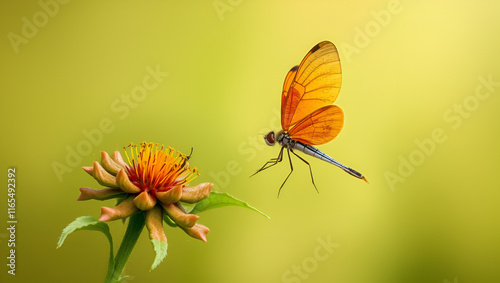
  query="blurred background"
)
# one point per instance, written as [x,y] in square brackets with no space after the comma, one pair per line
[420,95]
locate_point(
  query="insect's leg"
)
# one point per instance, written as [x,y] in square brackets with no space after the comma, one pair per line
[271,162]
[291,170]
[187,158]
[310,168]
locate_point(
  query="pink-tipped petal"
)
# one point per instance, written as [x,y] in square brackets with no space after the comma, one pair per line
[144,201]
[179,217]
[109,164]
[196,193]
[171,196]
[125,209]
[89,170]
[117,157]
[198,231]
[103,177]
[125,184]
[154,222]
[102,194]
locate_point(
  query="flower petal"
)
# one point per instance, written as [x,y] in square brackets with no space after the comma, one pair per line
[102,194]
[125,209]
[89,169]
[154,222]
[117,157]
[171,196]
[198,231]
[109,164]
[125,184]
[196,193]
[180,217]
[144,201]
[102,176]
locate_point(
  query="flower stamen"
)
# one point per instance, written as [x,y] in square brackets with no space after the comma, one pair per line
[156,168]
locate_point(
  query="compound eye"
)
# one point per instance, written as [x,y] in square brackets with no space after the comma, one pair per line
[269,138]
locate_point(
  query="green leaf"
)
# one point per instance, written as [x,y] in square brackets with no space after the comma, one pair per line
[92,224]
[169,221]
[160,248]
[216,200]
[121,198]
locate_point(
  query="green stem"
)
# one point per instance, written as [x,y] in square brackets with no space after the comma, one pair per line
[134,229]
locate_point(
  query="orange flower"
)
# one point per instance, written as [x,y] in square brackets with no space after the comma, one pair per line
[154,180]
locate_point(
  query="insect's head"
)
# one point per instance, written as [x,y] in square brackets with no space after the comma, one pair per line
[270,138]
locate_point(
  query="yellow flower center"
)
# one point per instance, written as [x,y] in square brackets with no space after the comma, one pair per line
[154,168]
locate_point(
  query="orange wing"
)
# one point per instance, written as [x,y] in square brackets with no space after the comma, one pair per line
[286,86]
[319,127]
[316,83]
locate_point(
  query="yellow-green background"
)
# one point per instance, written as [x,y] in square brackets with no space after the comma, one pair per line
[222,91]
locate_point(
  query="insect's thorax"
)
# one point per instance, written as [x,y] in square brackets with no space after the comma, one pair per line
[285,140]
